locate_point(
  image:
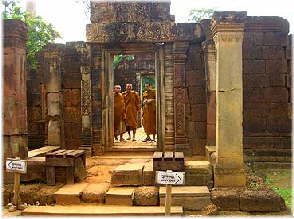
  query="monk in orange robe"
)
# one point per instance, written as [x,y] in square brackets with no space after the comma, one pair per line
[132,102]
[119,113]
[149,112]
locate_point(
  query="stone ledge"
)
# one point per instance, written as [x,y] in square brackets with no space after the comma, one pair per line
[230,199]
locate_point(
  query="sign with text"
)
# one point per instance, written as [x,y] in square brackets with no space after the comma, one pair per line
[170,178]
[17,166]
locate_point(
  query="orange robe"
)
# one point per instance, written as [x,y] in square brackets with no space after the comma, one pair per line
[149,112]
[132,102]
[119,113]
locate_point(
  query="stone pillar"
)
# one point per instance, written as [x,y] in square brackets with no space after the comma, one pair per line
[15,90]
[180,97]
[210,68]
[52,58]
[86,106]
[227,28]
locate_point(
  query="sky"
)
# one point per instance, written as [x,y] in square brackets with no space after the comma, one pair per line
[69,19]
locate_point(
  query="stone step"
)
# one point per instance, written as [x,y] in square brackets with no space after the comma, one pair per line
[120,196]
[70,194]
[193,198]
[148,174]
[100,210]
[138,148]
[95,193]
[198,173]
[129,174]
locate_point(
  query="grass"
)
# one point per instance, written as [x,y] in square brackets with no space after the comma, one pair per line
[273,179]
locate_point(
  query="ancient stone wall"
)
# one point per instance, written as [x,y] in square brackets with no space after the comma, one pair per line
[15,89]
[267,88]
[37,111]
[196,105]
[71,88]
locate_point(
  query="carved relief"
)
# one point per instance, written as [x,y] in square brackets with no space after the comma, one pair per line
[86,95]
[180,97]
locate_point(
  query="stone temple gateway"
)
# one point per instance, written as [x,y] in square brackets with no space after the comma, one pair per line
[223,86]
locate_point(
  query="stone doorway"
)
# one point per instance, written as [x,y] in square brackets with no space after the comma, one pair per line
[107,98]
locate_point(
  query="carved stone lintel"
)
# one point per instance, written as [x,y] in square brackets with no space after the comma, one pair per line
[143,32]
[233,37]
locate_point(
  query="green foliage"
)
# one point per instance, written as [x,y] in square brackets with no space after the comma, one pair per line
[118,58]
[196,15]
[285,193]
[40,33]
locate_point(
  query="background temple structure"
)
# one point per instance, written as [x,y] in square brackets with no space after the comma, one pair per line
[223,86]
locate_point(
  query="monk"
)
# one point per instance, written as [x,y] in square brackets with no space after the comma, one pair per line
[119,113]
[149,112]
[132,102]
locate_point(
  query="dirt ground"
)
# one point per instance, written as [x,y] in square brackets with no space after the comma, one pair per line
[140,136]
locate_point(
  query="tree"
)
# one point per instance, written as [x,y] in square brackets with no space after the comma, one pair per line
[196,15]
[119,58]
[40,33]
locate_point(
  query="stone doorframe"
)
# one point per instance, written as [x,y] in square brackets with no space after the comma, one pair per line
[107,78]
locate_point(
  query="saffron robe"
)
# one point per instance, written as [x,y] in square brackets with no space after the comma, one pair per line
[132,102]
[119,113]
[149,112]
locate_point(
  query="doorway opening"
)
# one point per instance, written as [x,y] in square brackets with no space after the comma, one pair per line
[135,75]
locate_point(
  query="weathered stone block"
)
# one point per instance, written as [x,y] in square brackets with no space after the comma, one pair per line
[274,67]
[272,52]
[254,66]
[211,133]
[197,130]
[146,196]
[254,95]
[198,113]
[261,201]
[72,114]
[36,170]
[120,196]
[53,104]
[256,81]
[70,194]
[190,197]
[198,173]
[95,193]
[127,174]
[72,81]
[148,174]
[197,95]
[276,94]
[226,200]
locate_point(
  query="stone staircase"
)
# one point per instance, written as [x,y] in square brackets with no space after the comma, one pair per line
[132,191]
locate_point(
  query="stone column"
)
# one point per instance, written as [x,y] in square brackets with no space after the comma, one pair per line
[15,90]
[228,36]
[210,68]
[180,97]
[52,58]
[86,106]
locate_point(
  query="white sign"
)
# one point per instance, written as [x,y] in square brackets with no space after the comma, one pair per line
[170,178]
[18,166]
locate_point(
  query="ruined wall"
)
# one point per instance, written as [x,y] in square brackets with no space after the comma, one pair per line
[37,109]
[267,89]
[196,105]
[71,88]
[15,90]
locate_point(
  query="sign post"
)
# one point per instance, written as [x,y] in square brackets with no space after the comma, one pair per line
[18,167]
[169,178]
